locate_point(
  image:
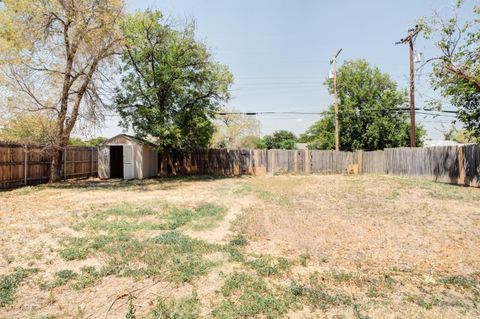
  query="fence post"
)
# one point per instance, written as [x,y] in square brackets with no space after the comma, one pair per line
[91,162]
[461,166]
[295,161]
[307,161]
[272,157]
[25,173]
[64,163]
[360,161]
[250,162]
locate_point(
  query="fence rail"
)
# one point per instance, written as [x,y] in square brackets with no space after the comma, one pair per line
[24,164]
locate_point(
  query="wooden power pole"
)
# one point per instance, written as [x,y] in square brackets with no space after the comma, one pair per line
[410,39]
[333,62]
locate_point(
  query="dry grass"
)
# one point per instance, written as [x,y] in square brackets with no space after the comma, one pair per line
[311,246]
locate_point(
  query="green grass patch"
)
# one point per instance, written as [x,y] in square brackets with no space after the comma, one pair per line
[239,240]
[10,283]
[185,308]
[315,295]
[248,296]
[87,277]
[173,253]
[127,219]
[269,266]
[460,281]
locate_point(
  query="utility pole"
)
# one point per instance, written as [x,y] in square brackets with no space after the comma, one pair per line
[410,39]
[333,62]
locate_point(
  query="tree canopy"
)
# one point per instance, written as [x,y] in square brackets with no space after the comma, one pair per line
[236,130]
[281,140]
[456,70]
[460,136]
[170,87]
[370,112]
[53,58]
[28,128]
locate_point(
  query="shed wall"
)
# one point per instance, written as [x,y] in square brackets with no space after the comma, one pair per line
[150,162]
[104,162]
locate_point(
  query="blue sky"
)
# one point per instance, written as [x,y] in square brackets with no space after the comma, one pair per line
[279,50]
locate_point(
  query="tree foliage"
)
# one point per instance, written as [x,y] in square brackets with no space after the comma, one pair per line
[460,136]
[28,128]
[369,113]
[236,130]
[456,70]
[281,140]
[171,87]
[76,141]
[52,57]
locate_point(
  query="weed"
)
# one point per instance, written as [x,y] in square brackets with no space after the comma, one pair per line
[131,309]
[243,189]
[459,281]
[208,216]
[239,240]
[87,277]
[75,249]
[185,308]
[248,297]
[171,252]
[185,268]
[358,314]
[342,276]
[268,266]
[373,292]
[9,283]
[64,276]
[124,219]
[203,217]
[424,301]
[235,255]
[316,295]
[304,258]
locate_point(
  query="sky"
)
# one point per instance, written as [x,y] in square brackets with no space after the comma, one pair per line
[279,50]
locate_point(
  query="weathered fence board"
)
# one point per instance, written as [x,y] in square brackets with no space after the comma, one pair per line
[471,164]
[30,164]
[211,161]
[448,164]
[373,162]
[434,163]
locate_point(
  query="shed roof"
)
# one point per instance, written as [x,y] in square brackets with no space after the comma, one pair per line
[134,139]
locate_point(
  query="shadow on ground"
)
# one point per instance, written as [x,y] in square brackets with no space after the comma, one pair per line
[170,182]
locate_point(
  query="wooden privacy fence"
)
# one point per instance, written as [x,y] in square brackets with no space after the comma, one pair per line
[23,164]
[449,164]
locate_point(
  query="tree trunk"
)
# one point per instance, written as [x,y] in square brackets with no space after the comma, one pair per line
[56,167]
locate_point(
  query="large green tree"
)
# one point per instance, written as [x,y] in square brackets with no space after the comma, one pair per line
[170,87]
[456,69]
[370,112]
[281,140]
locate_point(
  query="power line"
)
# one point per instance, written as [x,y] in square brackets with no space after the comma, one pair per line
[421,111]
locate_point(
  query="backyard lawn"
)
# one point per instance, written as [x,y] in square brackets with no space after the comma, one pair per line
[288,246]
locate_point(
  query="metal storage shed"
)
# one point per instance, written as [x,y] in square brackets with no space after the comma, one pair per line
[127,157]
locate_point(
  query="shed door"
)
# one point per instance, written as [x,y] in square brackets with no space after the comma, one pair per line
[128,165]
